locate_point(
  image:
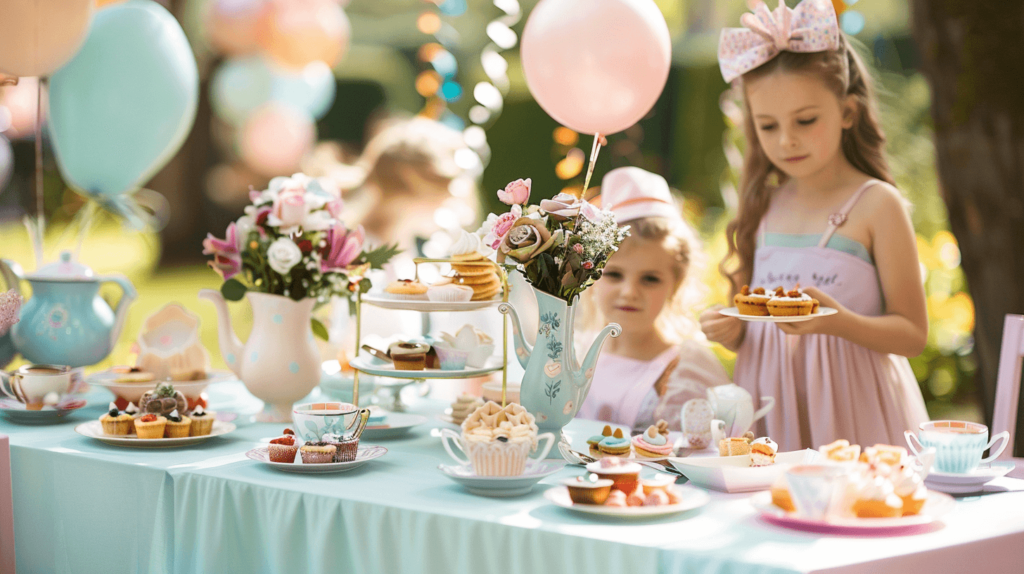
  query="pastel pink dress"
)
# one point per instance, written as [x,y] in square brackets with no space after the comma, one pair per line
[623,390]
[825,387]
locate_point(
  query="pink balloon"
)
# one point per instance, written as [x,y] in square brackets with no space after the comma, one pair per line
[233,25]
[596,66]
[275,138]
[20,102]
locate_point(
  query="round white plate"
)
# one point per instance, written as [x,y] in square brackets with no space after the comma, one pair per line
[385,302]
[692,498]
[937,505]
[395,425]
[734,312]
[500,486]
[363,455]
[17,413]
[382,369]
[94,429]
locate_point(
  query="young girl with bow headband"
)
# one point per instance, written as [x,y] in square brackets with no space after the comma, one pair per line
[818,210]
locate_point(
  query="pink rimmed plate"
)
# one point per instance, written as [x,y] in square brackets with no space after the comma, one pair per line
[937,506]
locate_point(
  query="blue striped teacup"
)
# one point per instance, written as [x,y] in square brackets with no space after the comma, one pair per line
[958,444]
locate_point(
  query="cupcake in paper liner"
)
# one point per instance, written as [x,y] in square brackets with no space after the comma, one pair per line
[449,293]
[451,359]
[498,457]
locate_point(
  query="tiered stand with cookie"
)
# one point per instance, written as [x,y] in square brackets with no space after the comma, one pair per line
[460,292]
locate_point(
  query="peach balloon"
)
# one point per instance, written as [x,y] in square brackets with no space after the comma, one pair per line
[596,66]
[233,25]
[38,37]
[298,32]
[275,138]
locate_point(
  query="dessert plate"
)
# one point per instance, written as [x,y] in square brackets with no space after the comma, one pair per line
[734,312]
[692,498]
[500,486]
[734,473]
[967,483]
[937,505]
[94,429]
[394,426]
[364,455]
[16,412]
[382,369]
[385,302]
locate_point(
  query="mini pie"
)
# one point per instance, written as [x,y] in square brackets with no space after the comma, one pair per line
[791,303]
[752,302]
[407,289]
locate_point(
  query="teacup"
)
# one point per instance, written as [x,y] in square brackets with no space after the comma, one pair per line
[31,383]
[816,488]
[495,458]
[313,420]
[958,444]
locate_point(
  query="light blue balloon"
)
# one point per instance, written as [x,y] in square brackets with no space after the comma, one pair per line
[122,107]
[311,89]
[239,87]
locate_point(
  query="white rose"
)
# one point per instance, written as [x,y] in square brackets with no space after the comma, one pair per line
[243,227]
[283,254]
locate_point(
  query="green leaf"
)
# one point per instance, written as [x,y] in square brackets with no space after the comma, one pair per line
[381,255]
[233,290]
[318,328]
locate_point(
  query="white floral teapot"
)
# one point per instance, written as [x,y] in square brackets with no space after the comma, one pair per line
[734,405]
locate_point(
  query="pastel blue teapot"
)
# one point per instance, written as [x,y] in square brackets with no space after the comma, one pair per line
[66,322]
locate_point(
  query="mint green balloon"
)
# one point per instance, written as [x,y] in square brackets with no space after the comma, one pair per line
[122,107]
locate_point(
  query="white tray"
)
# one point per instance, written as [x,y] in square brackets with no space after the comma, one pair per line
[424,305]
[94,429]
[734,312]
[692,498]
[734,473]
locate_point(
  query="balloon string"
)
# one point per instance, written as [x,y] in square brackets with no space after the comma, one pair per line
[593,160]
[40,217]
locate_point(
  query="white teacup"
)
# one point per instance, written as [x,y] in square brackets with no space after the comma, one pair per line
[958,444]
[816,488]
[495,458]
[31,383]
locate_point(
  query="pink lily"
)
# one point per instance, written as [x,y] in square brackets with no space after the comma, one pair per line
[343,247]
[227,260]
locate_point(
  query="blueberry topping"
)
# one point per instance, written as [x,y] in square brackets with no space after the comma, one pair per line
[503,439]
[113,412]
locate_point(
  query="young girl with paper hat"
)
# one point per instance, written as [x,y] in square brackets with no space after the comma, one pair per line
[818,210]
[661,360]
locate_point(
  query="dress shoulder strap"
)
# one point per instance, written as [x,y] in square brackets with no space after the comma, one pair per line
[838,218]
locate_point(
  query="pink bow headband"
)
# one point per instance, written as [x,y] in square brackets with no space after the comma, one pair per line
[810,27]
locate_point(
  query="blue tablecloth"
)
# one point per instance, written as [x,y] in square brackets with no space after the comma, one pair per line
[82,507]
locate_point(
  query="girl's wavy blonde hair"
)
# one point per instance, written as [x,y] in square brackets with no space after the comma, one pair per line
[677,318]
[844,72]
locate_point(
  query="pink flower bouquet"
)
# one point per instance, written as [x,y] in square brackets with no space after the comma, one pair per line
[291,242]
[560,246]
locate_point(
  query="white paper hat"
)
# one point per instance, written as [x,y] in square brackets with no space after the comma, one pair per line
[632,193]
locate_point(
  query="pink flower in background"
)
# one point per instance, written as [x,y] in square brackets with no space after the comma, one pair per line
[290,208]
[343,247]
[10,305]
[516,192]
[578,248]
[500,229]
[335,207]
[590,212]
[227,260]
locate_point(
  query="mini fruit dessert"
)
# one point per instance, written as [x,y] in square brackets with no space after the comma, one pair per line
[652,444]
[791,303]
[762,452]
[408,356]
[589,490]
[624,475]
[734,446]
[407,289]
[150,426]
[178,425]
[463,406]
[595,441]
[283,449]
[116,422]
[317,453]
[202,422]
[878,500]
[752,302]
[615,445]
[162,400]
[841,451]
[345,450]
[498,440]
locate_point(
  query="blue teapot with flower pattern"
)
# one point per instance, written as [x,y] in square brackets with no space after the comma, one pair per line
[66,322]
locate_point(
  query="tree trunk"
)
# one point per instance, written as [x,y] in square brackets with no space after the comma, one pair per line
[971,54]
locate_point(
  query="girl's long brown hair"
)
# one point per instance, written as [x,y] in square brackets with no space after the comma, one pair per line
[863,144]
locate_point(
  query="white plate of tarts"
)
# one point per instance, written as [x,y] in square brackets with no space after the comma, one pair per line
[935,507]
[331,454]
[123,429]
[776,306]
[625,494]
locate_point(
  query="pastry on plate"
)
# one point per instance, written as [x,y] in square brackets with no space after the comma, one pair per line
[734,446]
[762,452]
[625,476]
[449,293]
[907,485]
[652,444]
[162,400]
[752,302]
[283,449]
[791,303]
[840,451]
[178,425]
[344,450]
[408,356]
[407,289]
[463,406]
[591,490]
[595,441]
[317,453]
[660,481]
[878,499]
[202,422]
[116,422]
[615,445]
[781,496]
[884,453]
[150,425]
